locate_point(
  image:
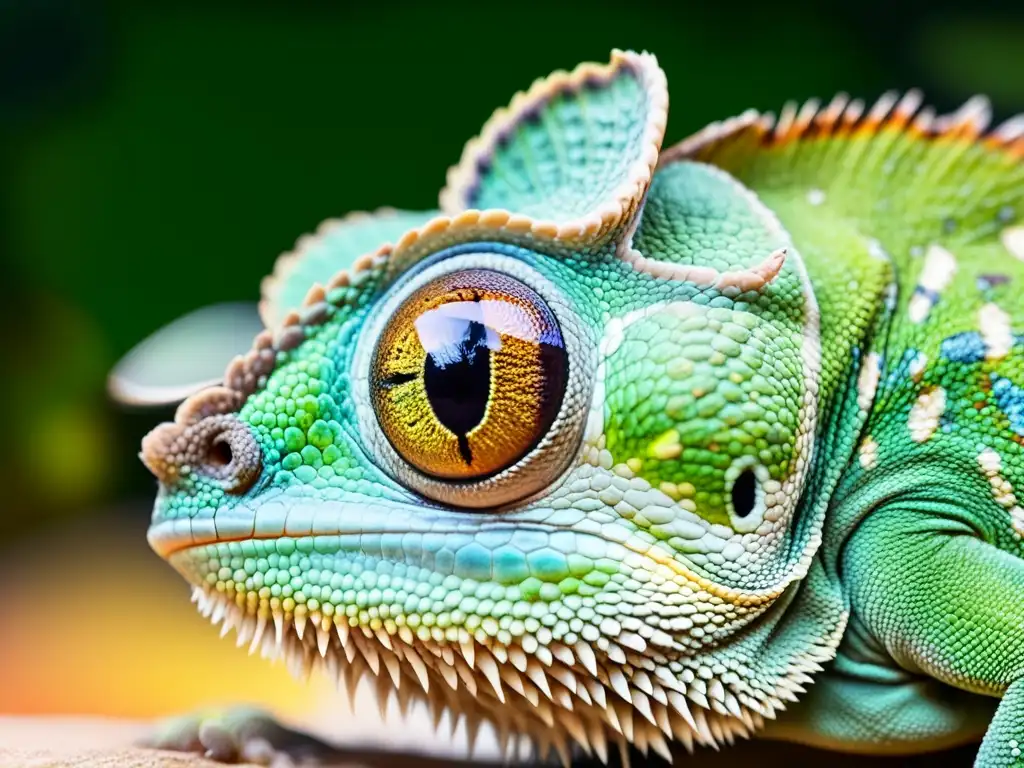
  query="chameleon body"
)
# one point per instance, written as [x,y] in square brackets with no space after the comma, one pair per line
[639,447]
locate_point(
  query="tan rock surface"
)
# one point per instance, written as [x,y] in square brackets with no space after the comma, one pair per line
[67,742]
[82,742]
[111,758]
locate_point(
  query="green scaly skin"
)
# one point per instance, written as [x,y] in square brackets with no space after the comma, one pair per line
[828,302]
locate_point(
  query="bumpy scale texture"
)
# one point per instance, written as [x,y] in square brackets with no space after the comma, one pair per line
[771,432]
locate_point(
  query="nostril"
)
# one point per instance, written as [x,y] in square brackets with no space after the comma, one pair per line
[219,448]
[220,454]
[232,455]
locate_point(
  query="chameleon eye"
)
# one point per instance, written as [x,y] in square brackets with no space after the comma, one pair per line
[468,374]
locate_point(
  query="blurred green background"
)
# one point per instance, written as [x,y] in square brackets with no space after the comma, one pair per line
[157,156]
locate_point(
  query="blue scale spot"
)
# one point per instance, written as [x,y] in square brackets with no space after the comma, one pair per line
[988,282]
[510,565]
[1010,399]
[966,347]
[900,371]
[473,562]
[947,421]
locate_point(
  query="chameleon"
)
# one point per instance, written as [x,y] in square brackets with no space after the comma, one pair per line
[642,448]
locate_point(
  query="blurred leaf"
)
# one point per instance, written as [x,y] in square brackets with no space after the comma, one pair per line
[187,355]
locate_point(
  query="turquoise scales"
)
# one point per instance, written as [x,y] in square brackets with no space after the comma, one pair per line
[784,449]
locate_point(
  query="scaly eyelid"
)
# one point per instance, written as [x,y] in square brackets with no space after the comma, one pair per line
[549,458]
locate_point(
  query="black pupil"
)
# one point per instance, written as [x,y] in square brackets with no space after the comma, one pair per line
[458,384]
[744,494]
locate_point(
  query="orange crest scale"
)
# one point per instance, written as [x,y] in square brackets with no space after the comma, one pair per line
[469,374]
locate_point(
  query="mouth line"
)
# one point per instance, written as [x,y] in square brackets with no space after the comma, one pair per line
[167,544]
[170,537]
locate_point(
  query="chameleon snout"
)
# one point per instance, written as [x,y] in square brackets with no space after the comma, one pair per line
[217,448]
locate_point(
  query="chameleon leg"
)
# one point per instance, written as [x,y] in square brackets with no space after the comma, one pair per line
[1004,742]
[945,603]
[881,711]
[239,734]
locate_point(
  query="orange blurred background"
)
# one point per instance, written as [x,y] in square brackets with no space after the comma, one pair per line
[99,627]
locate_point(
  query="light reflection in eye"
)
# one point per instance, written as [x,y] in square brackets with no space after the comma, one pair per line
[469,374]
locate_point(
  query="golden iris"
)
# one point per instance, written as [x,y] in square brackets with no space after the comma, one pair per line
[468,374]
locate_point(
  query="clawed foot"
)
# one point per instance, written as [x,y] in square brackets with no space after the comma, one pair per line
[239,735]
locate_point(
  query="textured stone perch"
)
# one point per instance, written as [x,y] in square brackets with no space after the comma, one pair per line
[70,742]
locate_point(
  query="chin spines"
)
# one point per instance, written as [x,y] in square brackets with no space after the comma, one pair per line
[544,700]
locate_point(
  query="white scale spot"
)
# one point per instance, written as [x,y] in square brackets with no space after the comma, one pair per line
[994,325]
[939,268]
[815,197]
[876,250]
[615,329]
[1013,239]
[891,297]
[917,366]
[595,417]
[867,381]
[868,454]
[613,336]
[1002,491]
[925,414]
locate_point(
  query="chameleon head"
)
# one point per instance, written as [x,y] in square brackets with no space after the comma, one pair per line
[541,458]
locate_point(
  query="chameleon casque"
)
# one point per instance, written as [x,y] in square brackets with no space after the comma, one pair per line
[624,446]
